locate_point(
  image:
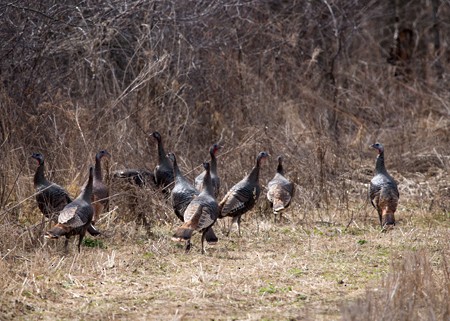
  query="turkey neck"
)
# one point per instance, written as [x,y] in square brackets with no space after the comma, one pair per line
[161,154]
[213,163]
[280,169]
[86,194]
[98,169]
[254,174]
[176,170]
[207,185]
[379,165]
[39,177]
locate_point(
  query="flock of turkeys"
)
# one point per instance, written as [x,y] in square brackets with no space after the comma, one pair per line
[196,205]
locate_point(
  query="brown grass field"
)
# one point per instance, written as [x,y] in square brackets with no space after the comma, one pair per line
[314,81]
[327,265]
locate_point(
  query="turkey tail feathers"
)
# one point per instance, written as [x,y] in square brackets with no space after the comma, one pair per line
[57,231]
[182,234]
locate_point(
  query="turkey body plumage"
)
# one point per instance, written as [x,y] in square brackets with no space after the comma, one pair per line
[163,171]
[242,196]
[140,177]
[214,176]
[182,194]
[383,190]
[100,192]
[201,213]
[75,217]
[280,190]
[183,191]
[51,198]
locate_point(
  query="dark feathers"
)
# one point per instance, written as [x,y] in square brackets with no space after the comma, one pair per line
[164,170]
[214,176]
[183,192]
[280,189]
[140,177]
[51,198]
[383,191]
[243,196]
[75,218]
[100,192]
[201,213]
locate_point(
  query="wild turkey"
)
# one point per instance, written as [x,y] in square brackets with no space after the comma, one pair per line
[383,191]
[164,170]
[100,192]
[200,214]
[242,196]
[214,177]
[51,198]
[280,190]
[75,217]
[140,177]
[182,194]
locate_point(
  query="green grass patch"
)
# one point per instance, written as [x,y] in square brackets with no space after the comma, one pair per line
[296,272]
[271,289]
[88,242]
[148,255]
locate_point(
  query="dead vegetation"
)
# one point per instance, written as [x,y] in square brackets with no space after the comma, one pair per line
[314,81]
[417,288]
[285,271]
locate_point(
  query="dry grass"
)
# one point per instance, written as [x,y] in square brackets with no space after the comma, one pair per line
[309,80]
[417,288]
[311,267]
[289,271]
